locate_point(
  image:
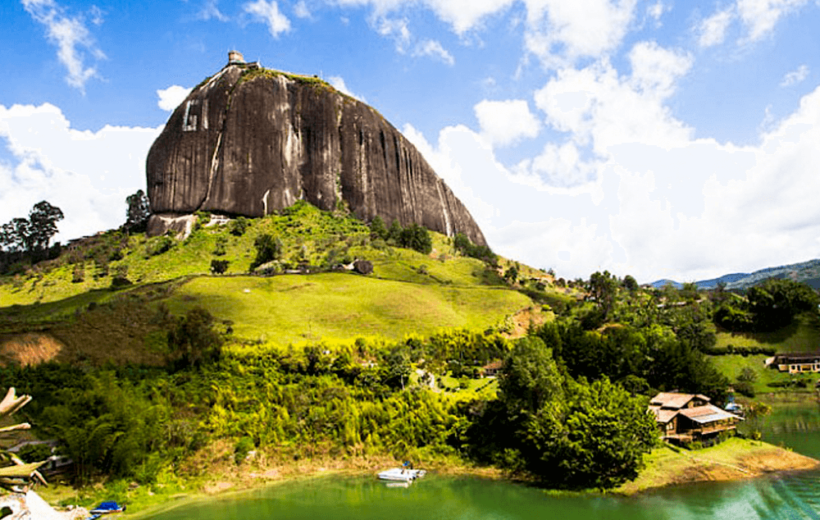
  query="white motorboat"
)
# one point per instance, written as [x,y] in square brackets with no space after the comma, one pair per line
[401,474]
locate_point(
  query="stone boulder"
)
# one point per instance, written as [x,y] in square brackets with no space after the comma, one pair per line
[250,141]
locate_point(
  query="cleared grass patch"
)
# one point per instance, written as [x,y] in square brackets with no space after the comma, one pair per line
[732,366]
[296,309]
[803,335]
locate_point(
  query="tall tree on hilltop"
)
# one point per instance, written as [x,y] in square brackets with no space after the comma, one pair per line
[31,235]
[139,209]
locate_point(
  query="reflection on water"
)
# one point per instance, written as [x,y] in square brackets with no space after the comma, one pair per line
[786,496]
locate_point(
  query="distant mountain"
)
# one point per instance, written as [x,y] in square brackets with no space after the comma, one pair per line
[805,272]
[665,282]
[726,278]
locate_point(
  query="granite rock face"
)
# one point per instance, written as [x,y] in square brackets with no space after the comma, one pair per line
[250,141]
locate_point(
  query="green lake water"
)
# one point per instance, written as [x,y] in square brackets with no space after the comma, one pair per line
[784,496]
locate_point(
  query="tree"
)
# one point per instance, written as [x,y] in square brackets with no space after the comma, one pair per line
[139,209]
[417,238]
[776,302]
[394,233]
[377,228]
[31,235]
[595,438]
[602,288]
[529,378]
[630,284]
[43,220]
[268,249]
[194,340]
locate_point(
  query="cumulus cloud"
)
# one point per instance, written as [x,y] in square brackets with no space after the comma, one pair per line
[433,49]
[462,15]
[760,16]
[301,9]
[210,11]
[171,97]
[268,13]
[713,29]
[506,122]
[86,174]
[796,76]
[75,46]
[631,188]
[339,84]
[559,32]
[656,70]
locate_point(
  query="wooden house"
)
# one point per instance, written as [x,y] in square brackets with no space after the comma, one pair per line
[690,417]
[795,363]
[491,369]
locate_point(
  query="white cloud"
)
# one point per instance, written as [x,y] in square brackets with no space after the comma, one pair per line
[268,13]
[796,76]
[760,16]
[434,50]
[713,29]
[559,32]
[210,10]
[506,122]
[397,29]
[655,69]
[656,10]
[462,15]
[301,9]
[72,38]
[339,84]
[465,15]
[86,174]
[171,97]
[631,189]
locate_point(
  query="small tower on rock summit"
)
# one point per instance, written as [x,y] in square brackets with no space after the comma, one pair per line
[235,57]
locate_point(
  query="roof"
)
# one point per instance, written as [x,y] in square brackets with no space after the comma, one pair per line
[707,414]
[675,400]
[797,357]
[494,365]
[663,416]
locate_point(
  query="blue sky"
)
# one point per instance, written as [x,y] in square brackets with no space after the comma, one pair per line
[658,138]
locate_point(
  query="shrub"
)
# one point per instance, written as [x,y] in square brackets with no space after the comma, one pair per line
[238,226]
[119,282]
[268,249]
[221,243]
[219,266]
[242,448]
[157,246]
[78,275]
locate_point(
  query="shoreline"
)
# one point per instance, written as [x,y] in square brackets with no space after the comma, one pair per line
[733,460]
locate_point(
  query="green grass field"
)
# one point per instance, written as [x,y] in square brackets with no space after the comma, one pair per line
[803,335]
[331,307]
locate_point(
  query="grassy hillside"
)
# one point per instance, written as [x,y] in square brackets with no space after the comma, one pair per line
[340,306]
[72,301]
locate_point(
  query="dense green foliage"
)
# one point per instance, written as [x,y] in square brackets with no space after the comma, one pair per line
[769,306]
[273,364]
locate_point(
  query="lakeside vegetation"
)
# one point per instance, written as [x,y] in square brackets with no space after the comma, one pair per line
[163,373]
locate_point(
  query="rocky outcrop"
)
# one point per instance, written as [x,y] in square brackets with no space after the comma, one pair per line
[250,141]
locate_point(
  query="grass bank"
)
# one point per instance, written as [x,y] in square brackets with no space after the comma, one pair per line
[735,459]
